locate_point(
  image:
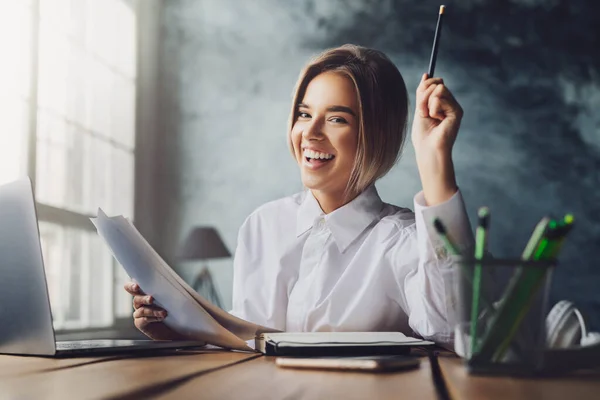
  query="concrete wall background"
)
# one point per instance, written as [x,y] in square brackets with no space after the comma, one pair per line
[525,71]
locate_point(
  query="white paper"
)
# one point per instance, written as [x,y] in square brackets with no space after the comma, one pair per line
[185,314]
[241,328]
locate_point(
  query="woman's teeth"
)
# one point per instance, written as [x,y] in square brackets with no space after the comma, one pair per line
[310,154]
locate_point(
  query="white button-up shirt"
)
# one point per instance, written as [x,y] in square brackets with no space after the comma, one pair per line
[367,266]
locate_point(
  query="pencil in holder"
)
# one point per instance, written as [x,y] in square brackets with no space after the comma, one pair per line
[501,309]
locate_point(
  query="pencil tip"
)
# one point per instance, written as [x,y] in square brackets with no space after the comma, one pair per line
[442,9]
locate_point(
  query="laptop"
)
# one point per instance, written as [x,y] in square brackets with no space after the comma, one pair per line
[25,316]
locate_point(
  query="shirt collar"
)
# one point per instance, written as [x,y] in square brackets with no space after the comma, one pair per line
[307,213]
[347,222]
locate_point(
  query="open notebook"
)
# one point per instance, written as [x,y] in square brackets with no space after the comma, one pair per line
[336,343]
[197,318]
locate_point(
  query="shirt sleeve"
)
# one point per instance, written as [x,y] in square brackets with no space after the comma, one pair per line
[428,289]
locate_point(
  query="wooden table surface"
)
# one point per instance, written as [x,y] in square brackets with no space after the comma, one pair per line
[260,378]
[107,377]
[216,374]
[461,385]
[206,374]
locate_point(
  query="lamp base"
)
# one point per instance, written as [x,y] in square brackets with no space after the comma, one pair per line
[204,285]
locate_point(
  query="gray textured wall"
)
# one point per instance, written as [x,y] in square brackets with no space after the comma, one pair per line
[525,71]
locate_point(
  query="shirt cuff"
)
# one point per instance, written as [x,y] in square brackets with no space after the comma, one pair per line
[453,215]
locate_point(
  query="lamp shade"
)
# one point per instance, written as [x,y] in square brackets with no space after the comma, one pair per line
[203,243]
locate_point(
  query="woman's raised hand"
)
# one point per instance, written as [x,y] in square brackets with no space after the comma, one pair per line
[435,127]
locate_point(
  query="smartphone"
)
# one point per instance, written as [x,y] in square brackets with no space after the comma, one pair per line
[367,363]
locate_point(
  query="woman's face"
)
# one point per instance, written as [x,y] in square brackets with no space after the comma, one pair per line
[325,134]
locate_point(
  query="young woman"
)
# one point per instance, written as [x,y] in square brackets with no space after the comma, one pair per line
[335,257]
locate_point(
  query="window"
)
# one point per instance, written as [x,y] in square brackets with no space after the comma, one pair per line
[68,85]
[15,87]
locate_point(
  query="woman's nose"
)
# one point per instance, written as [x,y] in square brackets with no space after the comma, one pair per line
[312,130]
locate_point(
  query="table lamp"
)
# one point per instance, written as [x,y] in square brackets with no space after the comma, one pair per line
[204,243]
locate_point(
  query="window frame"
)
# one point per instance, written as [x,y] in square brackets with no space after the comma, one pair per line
[65,217]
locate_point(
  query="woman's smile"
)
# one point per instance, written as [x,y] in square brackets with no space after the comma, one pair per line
[315,159]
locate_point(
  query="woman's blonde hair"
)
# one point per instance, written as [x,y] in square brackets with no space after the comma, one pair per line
[383,108]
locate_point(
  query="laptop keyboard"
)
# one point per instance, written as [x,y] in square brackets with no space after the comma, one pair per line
[121,345]
[92,344]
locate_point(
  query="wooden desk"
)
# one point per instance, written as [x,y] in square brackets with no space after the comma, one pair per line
[106,377]
[461,385]
[200,374]
[215,374]
[260,378]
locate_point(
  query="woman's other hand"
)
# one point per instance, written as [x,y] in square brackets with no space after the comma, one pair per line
[148,317]
[435,127]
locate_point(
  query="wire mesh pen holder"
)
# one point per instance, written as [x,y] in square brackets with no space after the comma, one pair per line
[501,309]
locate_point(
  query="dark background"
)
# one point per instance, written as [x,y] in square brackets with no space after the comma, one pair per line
[525,71]
[540,61]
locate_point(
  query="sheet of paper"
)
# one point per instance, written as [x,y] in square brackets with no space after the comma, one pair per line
[184,313]
[241,328]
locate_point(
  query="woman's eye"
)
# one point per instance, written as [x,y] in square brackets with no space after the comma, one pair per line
[303,115]
[338,120]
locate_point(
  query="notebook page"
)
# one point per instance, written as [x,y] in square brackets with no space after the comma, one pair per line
[332,339]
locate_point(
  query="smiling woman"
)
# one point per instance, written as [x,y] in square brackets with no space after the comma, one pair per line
[324,136]
[354,99]
[336,257]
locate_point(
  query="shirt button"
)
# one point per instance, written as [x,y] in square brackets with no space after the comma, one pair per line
[319,224]
[441,252]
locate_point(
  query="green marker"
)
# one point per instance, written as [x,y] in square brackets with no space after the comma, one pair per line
[548,249]
[480,247]
[512,299]
[535,239]
[567,220]
[452,249]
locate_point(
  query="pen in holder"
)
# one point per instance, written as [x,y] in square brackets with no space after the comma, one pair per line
[509,335]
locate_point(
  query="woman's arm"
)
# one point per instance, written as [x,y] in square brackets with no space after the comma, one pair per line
[426,284]
[434,130]
[422,267]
